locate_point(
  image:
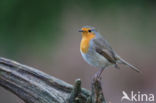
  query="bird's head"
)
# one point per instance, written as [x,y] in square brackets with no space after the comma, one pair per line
[88,31]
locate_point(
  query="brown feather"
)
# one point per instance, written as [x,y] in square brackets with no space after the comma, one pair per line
[105,54]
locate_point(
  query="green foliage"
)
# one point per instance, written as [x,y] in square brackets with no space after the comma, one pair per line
[28,23]
[36,24]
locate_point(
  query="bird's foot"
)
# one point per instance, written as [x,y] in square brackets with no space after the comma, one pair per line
[97,76]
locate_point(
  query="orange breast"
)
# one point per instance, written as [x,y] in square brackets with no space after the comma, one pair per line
[85,42]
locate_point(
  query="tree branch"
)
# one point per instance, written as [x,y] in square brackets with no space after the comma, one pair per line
[34,86]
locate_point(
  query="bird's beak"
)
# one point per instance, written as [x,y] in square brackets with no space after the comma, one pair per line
[80,30]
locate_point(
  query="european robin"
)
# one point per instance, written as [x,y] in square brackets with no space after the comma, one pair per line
[97,52]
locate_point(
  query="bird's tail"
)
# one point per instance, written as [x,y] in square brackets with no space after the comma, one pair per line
[122,61]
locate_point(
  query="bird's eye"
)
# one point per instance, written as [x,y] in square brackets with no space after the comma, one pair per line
[89,31]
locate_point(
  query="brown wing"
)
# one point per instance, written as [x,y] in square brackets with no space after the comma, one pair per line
[103,48]
[106,55]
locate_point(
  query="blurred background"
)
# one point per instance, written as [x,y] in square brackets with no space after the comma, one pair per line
[44,35]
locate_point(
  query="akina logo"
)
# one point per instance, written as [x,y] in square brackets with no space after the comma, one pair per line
[137,97]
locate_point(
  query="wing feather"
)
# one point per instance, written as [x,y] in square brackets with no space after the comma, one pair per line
[103,48]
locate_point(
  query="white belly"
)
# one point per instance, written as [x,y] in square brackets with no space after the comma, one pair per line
[95,59]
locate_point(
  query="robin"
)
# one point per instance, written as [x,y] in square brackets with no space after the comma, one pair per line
[97,52]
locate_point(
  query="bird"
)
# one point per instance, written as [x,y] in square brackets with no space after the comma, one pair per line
[97,52]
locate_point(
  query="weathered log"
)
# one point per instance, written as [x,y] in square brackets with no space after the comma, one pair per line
[34,86]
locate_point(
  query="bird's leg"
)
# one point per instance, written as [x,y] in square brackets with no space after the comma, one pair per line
[98,74]
[97,93]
